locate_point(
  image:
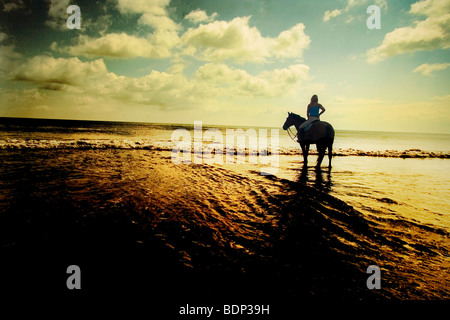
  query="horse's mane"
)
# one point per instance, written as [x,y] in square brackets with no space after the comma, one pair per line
[297,117]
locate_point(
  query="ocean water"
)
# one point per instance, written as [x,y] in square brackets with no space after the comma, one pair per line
[404,173]
[385,201]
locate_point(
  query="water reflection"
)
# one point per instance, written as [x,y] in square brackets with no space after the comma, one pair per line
[315,176]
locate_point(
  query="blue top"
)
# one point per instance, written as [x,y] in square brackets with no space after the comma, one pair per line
[314,111]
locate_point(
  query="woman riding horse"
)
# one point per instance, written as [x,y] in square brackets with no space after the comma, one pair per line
[312,131]
[313,112]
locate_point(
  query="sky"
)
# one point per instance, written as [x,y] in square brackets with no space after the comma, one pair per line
[228,62]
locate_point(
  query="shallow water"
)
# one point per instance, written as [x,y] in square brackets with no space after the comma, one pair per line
[416,189]
[223,229]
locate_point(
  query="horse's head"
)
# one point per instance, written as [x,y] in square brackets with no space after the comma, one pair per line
[289,121]
[293,119]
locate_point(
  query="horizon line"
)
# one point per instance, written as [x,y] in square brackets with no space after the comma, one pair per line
[208,125]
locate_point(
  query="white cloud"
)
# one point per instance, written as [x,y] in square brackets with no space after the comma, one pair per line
[153,13]
[216,41]
[221,40]
[427,69]
[57,14]
[92,79]
[122,45]
[198,16]
[429,34]
[331,14]
[161,89]
[430,7]
[274,83]
[57,74]
[237,41]
[291,43]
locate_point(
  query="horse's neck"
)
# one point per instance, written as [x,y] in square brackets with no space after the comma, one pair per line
[298,123]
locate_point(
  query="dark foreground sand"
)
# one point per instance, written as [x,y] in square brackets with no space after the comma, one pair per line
[151,234]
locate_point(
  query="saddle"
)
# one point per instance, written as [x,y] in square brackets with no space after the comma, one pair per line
[303,133]
[310,124]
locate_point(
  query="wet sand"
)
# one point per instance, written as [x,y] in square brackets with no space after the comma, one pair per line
[147,232]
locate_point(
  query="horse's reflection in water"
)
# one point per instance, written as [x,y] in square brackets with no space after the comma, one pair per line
[315,176]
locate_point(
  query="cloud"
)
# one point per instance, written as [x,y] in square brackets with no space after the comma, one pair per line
[9,58]
[427,69]
[71,77]
[57,14]
[221,40]
[156,89]
[382,4]
[122,45]
[153,13]
[430,7]
[237,41]
[215,41]
[354,3]
[429,34]
[198,16]
[57,74]
[7,55]
[100,25]
[11,6]
[331,14]
[274,83]
[22,96]
[3,36]
[291,43]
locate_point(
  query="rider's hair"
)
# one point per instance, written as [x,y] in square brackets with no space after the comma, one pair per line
[314,99]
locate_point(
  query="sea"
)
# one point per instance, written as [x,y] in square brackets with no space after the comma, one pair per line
[385,201]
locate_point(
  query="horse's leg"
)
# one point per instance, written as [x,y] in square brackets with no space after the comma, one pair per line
[305,150]
[321,149]
[330,153]
[306,153]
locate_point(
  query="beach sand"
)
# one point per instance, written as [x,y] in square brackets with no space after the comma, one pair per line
[146,231]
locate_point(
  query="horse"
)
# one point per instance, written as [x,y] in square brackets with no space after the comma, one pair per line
[320,133]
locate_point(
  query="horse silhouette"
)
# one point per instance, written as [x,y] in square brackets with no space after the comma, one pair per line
[320,133]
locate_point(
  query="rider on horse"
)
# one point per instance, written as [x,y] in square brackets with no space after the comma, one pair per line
[315,109]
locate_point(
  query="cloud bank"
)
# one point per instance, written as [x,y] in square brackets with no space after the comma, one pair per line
[161,89]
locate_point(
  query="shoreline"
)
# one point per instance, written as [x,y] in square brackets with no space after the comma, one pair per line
[148,144]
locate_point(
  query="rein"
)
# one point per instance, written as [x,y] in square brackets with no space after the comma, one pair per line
[291,135]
